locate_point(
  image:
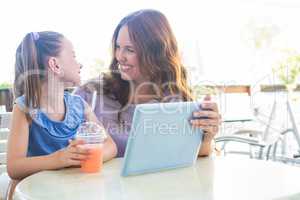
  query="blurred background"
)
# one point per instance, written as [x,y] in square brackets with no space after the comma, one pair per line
[231,42]
[244,52]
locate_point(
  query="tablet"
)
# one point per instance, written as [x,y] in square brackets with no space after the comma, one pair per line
[161,138]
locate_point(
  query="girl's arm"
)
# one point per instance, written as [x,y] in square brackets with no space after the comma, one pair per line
[109,147]
[19,165]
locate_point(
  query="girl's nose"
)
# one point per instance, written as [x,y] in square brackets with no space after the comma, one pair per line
[80,65]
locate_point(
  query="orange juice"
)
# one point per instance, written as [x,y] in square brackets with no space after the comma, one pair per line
[95,160]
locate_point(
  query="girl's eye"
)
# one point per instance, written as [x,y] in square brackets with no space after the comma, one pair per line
[117,47]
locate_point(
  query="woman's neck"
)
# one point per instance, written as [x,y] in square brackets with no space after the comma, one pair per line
[141,93]
[52,99]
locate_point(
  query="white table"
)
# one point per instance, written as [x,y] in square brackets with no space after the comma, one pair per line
[210,179]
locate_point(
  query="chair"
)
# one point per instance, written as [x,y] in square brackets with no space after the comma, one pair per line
[296,135]
[255,138]
[5,119]
[10,190]
[235,106]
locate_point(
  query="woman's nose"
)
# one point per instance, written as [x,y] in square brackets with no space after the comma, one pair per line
[120,56]
[80,65]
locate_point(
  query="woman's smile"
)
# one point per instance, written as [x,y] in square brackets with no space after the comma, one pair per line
[125,68]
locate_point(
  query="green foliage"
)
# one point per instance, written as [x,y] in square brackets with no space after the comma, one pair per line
[260,34]
[288,70]
[96,68]
[5,85]
[200,91]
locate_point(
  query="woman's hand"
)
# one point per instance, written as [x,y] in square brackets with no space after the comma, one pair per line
[72,155]
[208,120]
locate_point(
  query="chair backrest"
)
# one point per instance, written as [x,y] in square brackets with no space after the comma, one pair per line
[233,94]
[5,119]
[294,124]
[270,122]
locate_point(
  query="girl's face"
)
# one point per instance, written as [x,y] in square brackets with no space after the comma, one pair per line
[126,55]
[69,67]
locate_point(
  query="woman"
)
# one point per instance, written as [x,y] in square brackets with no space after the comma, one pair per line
[146,67]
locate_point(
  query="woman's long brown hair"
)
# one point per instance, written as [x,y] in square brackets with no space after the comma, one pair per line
[157,51]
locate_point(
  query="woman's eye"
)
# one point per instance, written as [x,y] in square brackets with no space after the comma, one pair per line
[130,50]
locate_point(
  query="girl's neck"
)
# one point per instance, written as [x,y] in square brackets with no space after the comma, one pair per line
[52,99]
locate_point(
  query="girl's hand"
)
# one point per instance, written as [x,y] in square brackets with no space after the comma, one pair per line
[208,120]
[71,155]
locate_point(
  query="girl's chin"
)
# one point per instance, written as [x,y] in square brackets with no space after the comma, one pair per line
[72,84]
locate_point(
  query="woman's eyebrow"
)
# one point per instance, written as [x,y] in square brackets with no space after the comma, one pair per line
[126,45]
[129,46]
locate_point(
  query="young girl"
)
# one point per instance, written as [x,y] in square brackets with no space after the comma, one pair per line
[45,118]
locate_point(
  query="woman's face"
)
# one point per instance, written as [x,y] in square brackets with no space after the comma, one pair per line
[126,55]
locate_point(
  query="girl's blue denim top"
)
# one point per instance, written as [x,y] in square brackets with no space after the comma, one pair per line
[47,136]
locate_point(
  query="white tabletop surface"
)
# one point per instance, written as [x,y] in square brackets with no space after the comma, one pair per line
[213,178]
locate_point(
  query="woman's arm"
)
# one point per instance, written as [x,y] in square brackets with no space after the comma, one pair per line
[109,148]
[209,124]
[19,165]
[206,148]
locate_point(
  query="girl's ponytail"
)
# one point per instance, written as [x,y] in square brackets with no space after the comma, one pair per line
[32,72]
[31,64]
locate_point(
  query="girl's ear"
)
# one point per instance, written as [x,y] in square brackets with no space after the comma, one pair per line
[54,67]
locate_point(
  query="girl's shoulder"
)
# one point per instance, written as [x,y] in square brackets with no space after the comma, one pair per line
[74,102]
[20,102]
[72,97]
[75,108]
[74,115]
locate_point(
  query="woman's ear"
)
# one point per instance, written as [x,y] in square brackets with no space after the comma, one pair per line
[53,65]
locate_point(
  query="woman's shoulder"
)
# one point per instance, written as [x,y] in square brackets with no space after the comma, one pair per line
[101,85]
[87,90]
[171,97]
[91,85]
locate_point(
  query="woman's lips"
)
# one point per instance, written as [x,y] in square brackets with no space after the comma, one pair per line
[125,67]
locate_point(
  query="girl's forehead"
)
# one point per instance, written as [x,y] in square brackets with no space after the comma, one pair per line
[66,44]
